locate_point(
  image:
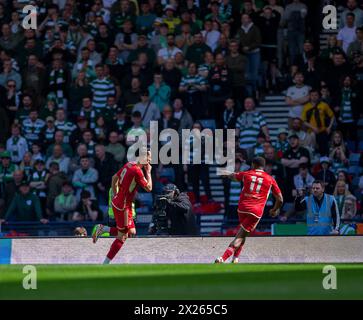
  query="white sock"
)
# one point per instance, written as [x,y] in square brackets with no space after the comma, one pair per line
[106,261]
[106,229]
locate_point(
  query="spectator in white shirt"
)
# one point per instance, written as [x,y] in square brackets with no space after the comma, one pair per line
[347,34]
[169,52]
[211,37]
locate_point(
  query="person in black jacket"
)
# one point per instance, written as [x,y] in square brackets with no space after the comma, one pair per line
[179,212]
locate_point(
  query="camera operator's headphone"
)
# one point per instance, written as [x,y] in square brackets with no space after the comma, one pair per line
[171,187]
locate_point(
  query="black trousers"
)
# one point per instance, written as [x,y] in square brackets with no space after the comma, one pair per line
[198,172]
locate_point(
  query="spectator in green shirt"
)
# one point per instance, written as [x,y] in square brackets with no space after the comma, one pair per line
[25,206]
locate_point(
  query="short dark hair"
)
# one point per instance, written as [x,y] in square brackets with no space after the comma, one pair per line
[259,162]
[319,182]
[85,194]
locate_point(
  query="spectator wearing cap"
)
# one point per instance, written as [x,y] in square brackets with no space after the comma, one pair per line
[37,180]
[282,144]
[148,109]
[25,206]
[357,44]
[326,175]
[292,159]
[169,18]
[66,202]
[195,53]
[352,8]
[145,21]
[319,118]
[16,144]
[32,127]
[347,34]
[126,41]
[159,91]
[85,178]
[169,51]
[102,87]
[249,37]
[48,132]
[59,157]
[210,36]
[115,148]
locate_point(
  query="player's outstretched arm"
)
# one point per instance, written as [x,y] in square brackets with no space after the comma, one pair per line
[278,204]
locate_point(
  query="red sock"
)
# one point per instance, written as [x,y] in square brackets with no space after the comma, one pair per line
[228,253]
[237,252]
[115,247]
[113,231]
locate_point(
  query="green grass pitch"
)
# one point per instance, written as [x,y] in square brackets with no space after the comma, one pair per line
[182,281]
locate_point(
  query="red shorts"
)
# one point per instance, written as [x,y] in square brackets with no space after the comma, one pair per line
[123,218]
[248,221]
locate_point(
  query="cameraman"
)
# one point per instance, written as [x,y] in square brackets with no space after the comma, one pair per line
[178,212]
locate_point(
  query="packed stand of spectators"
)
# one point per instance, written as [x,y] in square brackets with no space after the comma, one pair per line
[97,71]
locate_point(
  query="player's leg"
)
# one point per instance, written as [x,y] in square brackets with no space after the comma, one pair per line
[234,246]
[102,229]
[248,223]
[116,245]
[121,217]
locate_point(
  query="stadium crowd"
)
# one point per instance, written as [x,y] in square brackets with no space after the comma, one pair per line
[95,71]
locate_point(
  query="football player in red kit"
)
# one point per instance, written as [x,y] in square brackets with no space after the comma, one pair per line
[257,185]
[124,187]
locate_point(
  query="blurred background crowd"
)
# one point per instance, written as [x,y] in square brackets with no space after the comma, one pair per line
[95,71]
